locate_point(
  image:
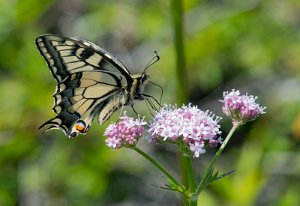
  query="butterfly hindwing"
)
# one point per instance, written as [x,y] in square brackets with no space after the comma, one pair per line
[90,81]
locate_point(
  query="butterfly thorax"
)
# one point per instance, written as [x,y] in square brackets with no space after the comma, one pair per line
[136,89]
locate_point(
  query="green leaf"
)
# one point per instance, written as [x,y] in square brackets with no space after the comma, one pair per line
[214,176]
[172,186]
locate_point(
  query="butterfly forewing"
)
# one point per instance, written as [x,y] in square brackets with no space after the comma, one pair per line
[66,56]
[90,81]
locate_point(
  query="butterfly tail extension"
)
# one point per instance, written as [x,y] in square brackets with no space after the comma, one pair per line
[52,124]
[79,127]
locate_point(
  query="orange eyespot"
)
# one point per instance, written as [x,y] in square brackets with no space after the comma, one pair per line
[80,127]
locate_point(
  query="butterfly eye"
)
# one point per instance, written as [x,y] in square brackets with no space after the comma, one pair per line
[144,77]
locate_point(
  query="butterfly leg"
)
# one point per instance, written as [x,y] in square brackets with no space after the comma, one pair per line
[134,110]
[149,106]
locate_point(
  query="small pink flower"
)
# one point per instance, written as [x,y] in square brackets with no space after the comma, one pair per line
[124,133]
[187,124]
[197,148]
[241,108]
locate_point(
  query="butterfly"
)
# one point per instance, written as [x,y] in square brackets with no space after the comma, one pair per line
[90,82]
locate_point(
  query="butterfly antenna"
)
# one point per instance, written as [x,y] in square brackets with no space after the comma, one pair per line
[155,59]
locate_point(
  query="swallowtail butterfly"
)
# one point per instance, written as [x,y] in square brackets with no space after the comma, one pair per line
[90,82]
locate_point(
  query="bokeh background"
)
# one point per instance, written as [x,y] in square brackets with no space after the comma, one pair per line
[253,46]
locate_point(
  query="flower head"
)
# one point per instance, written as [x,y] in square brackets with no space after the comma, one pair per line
[124,133]
[188,125]
[241,108]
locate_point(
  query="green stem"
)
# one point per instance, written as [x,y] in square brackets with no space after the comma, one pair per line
[183,171]
[177,17]
[192,187]
[189,167]
[159,166]
[177,11]
[212,163]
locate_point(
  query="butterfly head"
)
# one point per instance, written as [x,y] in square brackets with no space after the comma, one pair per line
[144,78]
[140,80]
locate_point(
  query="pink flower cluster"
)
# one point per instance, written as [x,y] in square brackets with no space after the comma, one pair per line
[241,108]
[187,124]
[124,133]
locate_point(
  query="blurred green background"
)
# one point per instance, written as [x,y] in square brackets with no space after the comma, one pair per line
[250,45]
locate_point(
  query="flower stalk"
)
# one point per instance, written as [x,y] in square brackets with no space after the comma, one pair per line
[204,178]
[160,167]
[190,176]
